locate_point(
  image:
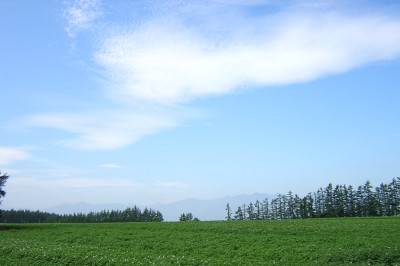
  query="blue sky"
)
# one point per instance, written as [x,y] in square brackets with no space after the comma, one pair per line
[138,102]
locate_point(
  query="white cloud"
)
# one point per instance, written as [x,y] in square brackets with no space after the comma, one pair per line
[172,185]
[106,129]
[167,61]
[8,155]
[95,183]
[74,183]
[110,165]
[80,14]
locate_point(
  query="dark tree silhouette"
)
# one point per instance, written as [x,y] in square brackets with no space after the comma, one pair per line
[3,180]
[229,212]
[128,215]
[188,217]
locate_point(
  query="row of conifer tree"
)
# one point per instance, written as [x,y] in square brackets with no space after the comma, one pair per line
[128,215]
[332,201]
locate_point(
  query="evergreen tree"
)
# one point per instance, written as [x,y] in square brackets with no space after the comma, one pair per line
[229,212]
[369,200]
[159,217]
[328,201]
[394,188]
[3,180]
[244,211]
[239,214]
[182,218]
[319,199]
[338,202]
[189,217]
[359,209]
[351,202]
[274,210]
[265,210]
[281,207]
[257,210]
[310,206]
[250,212]
[186,217]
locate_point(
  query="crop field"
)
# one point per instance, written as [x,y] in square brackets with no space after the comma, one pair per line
[359,241]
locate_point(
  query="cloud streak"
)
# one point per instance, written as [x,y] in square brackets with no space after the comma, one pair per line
[179,185]
[76,183]
[106,129]
[111,166]
[9,155]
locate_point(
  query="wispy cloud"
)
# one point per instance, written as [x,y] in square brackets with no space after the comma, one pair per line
[172,185]
[168,61]
[80,14]
[74,183]
[106,129]
[110,165]
[9,155]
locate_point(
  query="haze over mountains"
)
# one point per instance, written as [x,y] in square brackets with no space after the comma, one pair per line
[203,209]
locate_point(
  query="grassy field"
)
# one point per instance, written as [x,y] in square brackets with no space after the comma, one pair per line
[359,241]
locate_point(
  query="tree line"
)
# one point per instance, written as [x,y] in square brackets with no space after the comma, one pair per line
[128,215]
[188,217]
[331,201]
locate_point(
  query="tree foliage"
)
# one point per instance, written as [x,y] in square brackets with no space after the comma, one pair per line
[188,217]
[128,215]
[229,212]
[331,201]
[3,180]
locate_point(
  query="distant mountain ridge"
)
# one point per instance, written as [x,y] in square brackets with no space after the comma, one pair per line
[83,207]
[205,210]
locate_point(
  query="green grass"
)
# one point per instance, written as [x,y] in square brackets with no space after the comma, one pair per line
[359,241]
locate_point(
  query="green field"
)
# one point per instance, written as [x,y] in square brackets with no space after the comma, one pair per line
[359,241]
